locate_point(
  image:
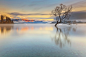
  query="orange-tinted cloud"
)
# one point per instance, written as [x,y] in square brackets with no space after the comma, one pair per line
[79,6]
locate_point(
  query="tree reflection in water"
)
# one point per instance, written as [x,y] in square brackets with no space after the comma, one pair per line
[5,29]
[61,36]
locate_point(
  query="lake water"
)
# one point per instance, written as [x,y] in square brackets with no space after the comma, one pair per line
[43,40]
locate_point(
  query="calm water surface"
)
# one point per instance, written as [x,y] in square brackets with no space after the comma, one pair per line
[43,40]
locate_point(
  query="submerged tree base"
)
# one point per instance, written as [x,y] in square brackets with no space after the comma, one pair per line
[56,23]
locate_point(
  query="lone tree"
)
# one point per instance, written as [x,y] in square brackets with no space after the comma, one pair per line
[61,13]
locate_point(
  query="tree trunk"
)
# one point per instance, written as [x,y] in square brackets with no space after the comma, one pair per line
[60,19]
[56,23]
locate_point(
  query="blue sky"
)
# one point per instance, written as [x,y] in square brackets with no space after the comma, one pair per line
[37,6]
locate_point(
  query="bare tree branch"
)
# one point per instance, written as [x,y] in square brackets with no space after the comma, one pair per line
[63,12]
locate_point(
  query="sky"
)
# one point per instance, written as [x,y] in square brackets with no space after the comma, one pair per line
[37,9]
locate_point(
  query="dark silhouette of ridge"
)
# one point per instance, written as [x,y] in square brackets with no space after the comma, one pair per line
[7,21]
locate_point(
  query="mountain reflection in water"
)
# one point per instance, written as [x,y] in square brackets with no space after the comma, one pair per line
[5,29]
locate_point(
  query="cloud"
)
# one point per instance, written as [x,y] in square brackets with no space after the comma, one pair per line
[34,3]
[74,15]
[78,15]
[16,13]
[29,16]
[79,6]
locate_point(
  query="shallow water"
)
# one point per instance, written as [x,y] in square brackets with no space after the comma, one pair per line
[43,40]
